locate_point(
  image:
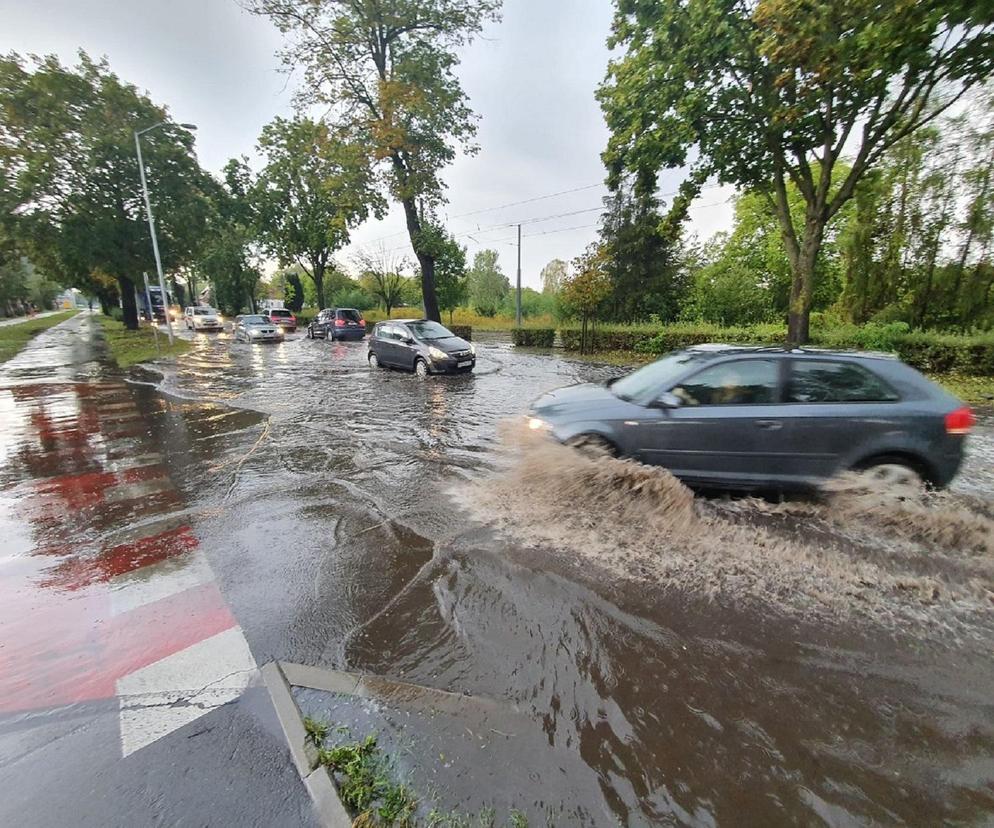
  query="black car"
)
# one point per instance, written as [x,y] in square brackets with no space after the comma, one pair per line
[420,345]
[337,323]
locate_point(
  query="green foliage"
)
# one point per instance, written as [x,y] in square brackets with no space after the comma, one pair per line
[354,297]
[533,337]
[451,283]
[533,304]
[395,93]
[382,278]
[316,730]
[589,285]
[316,186]
[487,285]
[70,172]
[761,93]
[728,292]
[553,276]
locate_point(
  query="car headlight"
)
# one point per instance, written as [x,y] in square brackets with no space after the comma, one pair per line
[472,349]
[437,353]
[538,424]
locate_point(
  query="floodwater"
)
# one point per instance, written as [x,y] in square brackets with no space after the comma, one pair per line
[658,658]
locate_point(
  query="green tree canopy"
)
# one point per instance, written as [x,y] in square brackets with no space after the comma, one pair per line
[487,285]
[387,71]
[316,186]
[764,92]
[70,170]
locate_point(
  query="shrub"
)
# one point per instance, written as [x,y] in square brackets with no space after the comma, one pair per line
[465,331]
[117,314]
[534,337]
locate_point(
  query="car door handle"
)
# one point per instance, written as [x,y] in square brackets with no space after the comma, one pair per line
[770,425]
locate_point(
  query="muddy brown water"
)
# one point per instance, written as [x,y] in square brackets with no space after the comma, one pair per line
[655,658]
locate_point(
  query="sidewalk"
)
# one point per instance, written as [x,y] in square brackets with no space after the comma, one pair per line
[117,647]
[16,320]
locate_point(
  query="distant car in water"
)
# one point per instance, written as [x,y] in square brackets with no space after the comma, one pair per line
[759,418]
[337,323]
[283,318]
[253,327]
[419,345]
[199,318]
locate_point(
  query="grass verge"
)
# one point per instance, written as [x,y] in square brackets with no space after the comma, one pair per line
[973,390]
[16,336]
[367,784]
[131,347]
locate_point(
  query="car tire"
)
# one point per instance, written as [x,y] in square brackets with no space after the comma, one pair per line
[421,368]
[593,446]
[895,476]
[310,333]
[374,361]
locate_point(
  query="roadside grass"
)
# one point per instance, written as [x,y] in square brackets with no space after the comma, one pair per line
[14,337]
[367,784]
[970,389]
[131,347]
[465,316]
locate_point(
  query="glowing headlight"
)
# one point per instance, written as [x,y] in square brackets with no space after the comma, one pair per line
[472,349]
[436,353]
[535,424]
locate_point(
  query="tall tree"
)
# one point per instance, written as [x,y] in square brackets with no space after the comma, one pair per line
[382,276]
[316,186]
[487,284]
[764,92]
[553,275]
[386,69]
[68,138]
[450,267]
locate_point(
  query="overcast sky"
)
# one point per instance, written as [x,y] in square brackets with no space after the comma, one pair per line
[531,78]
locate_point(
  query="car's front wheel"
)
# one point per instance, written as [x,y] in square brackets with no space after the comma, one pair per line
[592,445]
[421,368]
[374,361]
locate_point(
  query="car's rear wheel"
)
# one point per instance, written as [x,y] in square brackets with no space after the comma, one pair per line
[310,332]
[374,361]
[894,476]
[592,445]
[421,368]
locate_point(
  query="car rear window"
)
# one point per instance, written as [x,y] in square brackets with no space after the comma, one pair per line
[279,312]
[816,381]
[349,314]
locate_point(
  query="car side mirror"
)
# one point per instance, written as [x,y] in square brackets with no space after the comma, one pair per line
[667,400]
[408,340]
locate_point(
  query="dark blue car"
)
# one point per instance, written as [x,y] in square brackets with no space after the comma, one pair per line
[733,417]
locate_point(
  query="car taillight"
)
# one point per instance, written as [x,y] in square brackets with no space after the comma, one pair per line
[340,323]
[362,323]
[960,421]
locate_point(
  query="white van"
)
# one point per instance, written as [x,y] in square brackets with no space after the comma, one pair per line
[199,318]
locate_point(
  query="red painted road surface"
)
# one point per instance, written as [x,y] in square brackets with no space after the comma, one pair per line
[101,576]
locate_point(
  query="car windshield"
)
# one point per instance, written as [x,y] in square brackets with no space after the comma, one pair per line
[203,311]
[429,330]
[279,312]
[655,376]
[254,320]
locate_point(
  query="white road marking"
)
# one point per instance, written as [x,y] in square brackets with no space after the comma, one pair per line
[172,692]
[158,581]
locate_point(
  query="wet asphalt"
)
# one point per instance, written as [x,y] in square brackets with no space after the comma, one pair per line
[322,495]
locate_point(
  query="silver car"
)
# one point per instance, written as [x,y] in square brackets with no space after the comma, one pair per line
[755,418]
[256,328]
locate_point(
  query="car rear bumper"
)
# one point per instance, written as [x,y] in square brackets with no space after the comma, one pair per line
[354,334]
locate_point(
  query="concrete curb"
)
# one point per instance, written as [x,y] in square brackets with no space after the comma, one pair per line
[280,676]
[331,812]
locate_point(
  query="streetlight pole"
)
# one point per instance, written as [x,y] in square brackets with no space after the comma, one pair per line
[151,225]
[517,302]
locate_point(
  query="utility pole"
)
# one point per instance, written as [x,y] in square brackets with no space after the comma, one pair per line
[151,222]
[148,298]
[517,304]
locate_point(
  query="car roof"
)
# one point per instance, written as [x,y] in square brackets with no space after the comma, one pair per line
[719,349]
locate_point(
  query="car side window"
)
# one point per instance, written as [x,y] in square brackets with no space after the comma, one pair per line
[742,382]
[817,381]
[388,332]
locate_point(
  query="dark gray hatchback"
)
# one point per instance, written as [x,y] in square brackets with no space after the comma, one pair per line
[717,415]
[419,345]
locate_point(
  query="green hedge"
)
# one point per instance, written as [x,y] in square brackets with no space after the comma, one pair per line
[534,337]
[465,331]
[934,353]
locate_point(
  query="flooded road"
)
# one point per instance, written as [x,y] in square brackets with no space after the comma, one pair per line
[635,655]
[763,663]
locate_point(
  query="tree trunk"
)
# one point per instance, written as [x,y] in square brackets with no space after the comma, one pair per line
[318,271]
[802,266]
[128,305]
